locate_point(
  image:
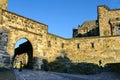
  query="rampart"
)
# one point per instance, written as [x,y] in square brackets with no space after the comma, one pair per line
[103,44]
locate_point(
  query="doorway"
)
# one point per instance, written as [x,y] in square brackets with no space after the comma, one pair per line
[23,52]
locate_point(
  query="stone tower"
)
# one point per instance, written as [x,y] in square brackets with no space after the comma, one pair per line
[3,4]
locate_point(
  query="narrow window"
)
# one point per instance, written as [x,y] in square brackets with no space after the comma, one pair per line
[55,42]
[0,33]
[44,54]
[92,45]
[49,44]
[55,39]
[119,28]
[78,45]
[62,45]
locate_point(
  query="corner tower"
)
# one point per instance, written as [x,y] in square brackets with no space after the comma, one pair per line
[109,21]
[3,4]
[103,17]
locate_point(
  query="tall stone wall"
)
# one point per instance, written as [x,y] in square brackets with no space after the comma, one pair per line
[49,46]
[22,23]
[3,41]
[54,46]
[21,27]
[94,49]
[105,15]
[5,58]
[89,49]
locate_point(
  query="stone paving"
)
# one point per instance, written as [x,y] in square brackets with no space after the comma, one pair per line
[41,75]
[7,74]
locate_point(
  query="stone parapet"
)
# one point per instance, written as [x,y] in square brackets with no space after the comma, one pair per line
[22,23]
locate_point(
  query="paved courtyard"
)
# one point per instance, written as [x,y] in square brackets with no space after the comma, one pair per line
[41,75]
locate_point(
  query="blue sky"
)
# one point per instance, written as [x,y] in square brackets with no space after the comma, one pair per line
[61,16]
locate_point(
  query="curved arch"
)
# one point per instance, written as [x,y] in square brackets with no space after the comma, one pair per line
[23,37]
[25,47]
[18,41]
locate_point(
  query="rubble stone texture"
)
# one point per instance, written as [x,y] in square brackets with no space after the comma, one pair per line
[104,47]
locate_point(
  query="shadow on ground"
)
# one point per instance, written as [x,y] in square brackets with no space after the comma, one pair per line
[64,65]
[7,74]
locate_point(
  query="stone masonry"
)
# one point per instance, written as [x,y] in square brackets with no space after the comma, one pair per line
[5,58]
[104,46]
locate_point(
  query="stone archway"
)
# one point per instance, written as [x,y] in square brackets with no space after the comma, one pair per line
[24,53]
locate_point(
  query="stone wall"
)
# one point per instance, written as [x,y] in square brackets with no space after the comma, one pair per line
[5,58]
[3,4]
[54,46]
[105,15]
[93,49]
[19,22]
[21,27]
[89,50]
[48,46]
[87,27]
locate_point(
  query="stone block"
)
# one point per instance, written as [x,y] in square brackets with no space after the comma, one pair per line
[38,62]
[5,61]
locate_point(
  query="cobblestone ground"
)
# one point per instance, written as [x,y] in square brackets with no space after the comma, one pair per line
[7,74]
[41,75]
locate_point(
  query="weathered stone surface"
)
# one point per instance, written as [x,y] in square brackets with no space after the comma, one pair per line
[104,47]
[39,64]
[5,58]
[3,4]
[5,61]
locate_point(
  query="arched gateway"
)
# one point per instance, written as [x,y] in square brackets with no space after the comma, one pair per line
[21,27]
[105,46]
[24,54]
[18,27]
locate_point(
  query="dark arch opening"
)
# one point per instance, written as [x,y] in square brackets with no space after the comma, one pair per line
[24,53]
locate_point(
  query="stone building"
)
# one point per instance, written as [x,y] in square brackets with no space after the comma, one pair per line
[88,29]
[107,24]
[93,41]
